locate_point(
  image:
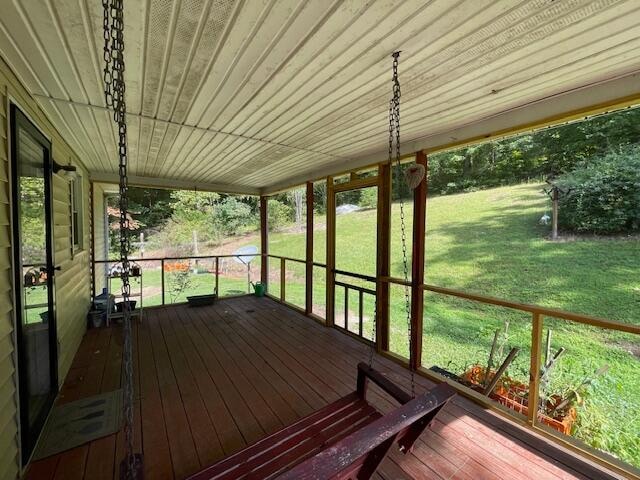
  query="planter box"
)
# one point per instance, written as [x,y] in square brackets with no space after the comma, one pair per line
[514,395]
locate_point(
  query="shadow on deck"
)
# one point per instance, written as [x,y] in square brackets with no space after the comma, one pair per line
[214,379]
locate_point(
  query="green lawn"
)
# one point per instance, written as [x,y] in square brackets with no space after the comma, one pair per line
[490,242]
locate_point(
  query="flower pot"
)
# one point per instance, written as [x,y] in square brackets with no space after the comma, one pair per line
[96,318]
[120,306]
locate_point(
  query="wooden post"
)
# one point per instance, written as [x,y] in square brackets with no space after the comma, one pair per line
[264,242]
[555,195]
[217,284]
[162,278]
[283,283]
[534,369]
[331,251]
[309,267]
[383,266]
[417,264]
[93,242]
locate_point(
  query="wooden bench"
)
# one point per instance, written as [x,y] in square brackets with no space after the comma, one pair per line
[346,439]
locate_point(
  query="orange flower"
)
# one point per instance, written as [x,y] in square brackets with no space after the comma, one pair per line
[176,266]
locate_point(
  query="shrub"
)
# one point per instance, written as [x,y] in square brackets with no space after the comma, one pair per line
[369,198]
[231,215]
[279,214]
[604,194]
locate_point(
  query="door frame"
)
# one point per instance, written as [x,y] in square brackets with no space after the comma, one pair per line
[29,435]
[382,181]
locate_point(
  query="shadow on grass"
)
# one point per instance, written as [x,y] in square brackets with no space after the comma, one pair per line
[507,255]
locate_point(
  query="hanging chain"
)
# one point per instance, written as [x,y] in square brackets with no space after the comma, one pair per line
[114,92]
[394,137]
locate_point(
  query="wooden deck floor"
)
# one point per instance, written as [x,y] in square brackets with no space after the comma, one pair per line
[212,380]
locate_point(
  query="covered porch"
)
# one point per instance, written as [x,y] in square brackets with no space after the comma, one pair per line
[267,98]
[212,380]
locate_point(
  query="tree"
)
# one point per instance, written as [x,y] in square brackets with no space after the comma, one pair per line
[297,197]
[538,155]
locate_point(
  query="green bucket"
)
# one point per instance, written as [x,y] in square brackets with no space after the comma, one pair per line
[259,289]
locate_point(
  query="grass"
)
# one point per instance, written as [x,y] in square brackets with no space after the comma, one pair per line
[490,242]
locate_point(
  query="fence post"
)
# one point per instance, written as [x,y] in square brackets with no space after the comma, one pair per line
[534,369]
[162,278]
[308,304]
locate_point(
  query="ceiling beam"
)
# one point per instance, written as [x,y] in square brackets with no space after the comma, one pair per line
[570,105]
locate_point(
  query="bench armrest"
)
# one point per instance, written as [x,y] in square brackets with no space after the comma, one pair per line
[365,373]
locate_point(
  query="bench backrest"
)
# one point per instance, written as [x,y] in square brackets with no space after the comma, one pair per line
[359,454]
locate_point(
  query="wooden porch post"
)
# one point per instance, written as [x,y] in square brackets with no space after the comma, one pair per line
[92,242]
[384,256]
[417,264]
[309,269]
[264,241]
[331,251]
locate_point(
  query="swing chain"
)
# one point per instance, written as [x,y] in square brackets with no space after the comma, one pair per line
[114,91]
[394,136]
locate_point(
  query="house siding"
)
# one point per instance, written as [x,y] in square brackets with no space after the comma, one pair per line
[71,284]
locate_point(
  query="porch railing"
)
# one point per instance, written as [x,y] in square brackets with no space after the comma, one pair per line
[350,317]
[540,317]
[532,351]
[290,288]
[172,279]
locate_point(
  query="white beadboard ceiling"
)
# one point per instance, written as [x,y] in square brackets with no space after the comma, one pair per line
[254,95]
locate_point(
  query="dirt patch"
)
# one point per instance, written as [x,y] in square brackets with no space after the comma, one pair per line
[226,248]
[632,347]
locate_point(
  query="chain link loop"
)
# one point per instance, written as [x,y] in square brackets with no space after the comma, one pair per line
[114,93]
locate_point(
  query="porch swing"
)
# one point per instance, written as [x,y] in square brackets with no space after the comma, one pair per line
[346,439]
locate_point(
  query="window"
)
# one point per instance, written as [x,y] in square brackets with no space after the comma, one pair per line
[75,187]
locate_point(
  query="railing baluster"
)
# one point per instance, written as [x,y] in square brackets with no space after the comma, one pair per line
[283,267]
[534,369]
[346,307]
[360,296]
[162,279]
[217,284]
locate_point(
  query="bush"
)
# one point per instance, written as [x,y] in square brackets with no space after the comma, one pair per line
[279,214]
[231,215]
[604,194]
[369,198]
